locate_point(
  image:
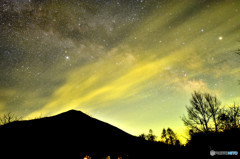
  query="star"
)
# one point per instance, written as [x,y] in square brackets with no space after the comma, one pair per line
[137,51]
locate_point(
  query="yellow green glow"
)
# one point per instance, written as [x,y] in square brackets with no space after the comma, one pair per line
[146,79]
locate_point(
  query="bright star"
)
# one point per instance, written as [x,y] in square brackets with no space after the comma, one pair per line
[220,37]
[67,57]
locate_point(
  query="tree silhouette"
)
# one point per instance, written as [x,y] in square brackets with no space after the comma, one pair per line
[143,136]
[8,118]
[150,136]
[169,137]
[164,136]
[198,116]
[230,117]
[203,108]
[212,103]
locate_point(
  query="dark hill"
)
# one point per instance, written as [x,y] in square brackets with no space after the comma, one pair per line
[73,134]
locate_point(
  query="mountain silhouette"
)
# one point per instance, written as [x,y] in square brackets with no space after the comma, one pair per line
[73,134]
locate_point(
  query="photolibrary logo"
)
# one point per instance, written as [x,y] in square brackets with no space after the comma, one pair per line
[212,152]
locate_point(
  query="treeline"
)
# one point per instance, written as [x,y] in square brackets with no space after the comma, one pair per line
[205,117]
[205,114]
[168,136]
[212,126]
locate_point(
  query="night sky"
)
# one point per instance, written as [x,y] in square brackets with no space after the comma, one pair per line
[131,63]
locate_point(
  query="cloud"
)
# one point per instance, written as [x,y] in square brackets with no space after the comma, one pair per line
[120,56]
[6,95]
[189,86]
[103,82]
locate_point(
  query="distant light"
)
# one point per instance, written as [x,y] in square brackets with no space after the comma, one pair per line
[67,57]
[220,37]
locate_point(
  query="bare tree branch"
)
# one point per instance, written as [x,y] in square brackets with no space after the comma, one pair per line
[203,108]
[8,118]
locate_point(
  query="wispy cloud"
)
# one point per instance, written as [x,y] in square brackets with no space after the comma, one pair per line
[89,57]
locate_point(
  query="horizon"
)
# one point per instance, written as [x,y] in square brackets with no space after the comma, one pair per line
[132,64]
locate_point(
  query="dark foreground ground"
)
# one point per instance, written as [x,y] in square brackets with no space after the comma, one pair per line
[74,134]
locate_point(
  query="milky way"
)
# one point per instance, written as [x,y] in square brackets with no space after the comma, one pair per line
[130,63]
